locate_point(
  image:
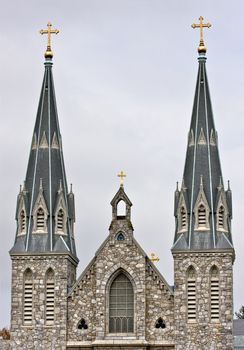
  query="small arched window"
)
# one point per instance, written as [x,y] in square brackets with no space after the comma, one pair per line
[214,293]
[28,297]
[202,217]
[121,209]
[120,236]
[49,312]
[121,305]
[191,294]
[40,219]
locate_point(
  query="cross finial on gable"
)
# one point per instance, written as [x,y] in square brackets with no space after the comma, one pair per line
[121,175]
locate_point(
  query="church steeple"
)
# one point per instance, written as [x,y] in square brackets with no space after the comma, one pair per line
[45,208]
[202,206]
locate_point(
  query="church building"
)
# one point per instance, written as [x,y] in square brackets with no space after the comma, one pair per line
[121,301]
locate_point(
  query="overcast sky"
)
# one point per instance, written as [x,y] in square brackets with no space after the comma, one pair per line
[124,73]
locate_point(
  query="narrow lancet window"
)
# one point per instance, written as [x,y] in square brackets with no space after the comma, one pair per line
[191,294]
[28,298]
[50,297]
[214,293]
[121,305]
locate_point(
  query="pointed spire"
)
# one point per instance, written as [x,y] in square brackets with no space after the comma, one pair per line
[202,171]
[46,177]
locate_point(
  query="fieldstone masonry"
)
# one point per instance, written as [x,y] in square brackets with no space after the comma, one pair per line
[203,334]
[40,336]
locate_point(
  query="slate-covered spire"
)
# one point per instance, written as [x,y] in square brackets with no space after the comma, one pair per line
[45,208]
[202,206]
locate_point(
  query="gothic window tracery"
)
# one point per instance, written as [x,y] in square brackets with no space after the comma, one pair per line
[160,323]
[82,324]
[121,305]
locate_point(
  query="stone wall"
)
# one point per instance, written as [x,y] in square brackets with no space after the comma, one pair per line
[4,344]
[90,297]
[204,334]
[39,335]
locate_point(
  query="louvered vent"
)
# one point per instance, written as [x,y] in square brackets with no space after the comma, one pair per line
[214,294]
[201,216]
[60,220]
[183,218]
[221,213]
[40,219]
[22,222]
[191,295]
[28,298]
[50,297]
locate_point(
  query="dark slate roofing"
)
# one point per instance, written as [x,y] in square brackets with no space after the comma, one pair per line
[202,173]
[46,178]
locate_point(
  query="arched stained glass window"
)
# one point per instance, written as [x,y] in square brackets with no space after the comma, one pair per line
[121,305]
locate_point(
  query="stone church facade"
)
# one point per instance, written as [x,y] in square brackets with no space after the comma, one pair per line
[121,301]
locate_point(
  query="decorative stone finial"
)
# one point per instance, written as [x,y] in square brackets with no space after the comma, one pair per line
[49,54]
[201,48]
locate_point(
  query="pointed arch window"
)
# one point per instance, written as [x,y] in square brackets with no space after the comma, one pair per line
[121,305]
[214,293]
[28,297]
[121,209]
[50,288]
[191,294]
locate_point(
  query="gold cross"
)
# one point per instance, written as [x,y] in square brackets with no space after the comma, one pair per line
[201,25]
[154,258]
[49,31]
[121,175]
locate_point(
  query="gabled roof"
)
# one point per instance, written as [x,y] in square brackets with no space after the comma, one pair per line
[46,167]
[148,262]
